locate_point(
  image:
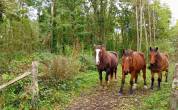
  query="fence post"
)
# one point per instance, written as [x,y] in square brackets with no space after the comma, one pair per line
[174,95]
[34,85]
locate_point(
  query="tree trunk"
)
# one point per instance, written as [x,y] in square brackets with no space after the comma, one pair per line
[146,35]
[53,27]
[137,26]
[154,27]
[149,23]
[141,8]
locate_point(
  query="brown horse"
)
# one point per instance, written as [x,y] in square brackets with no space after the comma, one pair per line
[132,62]
[158,63]
[106,61]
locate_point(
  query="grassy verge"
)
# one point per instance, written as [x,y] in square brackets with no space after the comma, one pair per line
[62,93]
[159,99]
[55,94]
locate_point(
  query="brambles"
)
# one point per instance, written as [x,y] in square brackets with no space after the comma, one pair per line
[64,68]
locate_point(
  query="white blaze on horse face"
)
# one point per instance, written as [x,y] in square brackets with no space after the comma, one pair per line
[97,56]
[127,58]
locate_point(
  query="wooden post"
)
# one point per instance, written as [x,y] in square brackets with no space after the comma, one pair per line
[174,95]
[34,85]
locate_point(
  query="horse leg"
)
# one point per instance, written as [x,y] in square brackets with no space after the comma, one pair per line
[131,83]
[166,75]
[115,72]
[106,77]
[111,74]
[122,84]
[100,77]
[152,80]
[136,78]
[144,77]
[159,79]
[135,84]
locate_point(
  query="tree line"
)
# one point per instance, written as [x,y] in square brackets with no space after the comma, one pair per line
[63,24]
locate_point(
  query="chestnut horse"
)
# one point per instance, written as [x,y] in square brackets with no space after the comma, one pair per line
[132,62]
[106,61]
[158,63]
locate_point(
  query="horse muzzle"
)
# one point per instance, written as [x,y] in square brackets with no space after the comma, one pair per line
[152,64]
[126,72]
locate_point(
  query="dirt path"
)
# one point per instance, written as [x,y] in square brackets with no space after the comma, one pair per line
[108,99]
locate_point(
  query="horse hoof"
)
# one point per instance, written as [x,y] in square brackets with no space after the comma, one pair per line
[151,88]
[134,86]
[120,94]
[145,87]
[159,88]
[131,92]
[108,82]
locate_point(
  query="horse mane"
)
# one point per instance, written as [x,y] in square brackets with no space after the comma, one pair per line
[115,53]
[141,54]
[127,52]
[158,56]
[158,59]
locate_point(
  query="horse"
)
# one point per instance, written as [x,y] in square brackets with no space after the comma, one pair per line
[106,61]
[158,63]
[132,62]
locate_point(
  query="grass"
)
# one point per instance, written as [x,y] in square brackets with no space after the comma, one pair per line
[62,93]
[153,100]
[160,99]
[59,94]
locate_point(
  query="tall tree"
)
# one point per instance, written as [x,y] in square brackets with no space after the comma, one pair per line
[53,27]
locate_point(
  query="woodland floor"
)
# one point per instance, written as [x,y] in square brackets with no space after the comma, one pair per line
[108,99]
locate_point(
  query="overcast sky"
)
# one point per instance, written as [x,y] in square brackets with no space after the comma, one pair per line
[173,4]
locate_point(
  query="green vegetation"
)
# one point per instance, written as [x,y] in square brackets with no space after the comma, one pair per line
[61,38]
[58,93]
[54,89]
[160,100]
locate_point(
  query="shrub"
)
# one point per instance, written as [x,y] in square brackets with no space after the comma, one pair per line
[62,68]
[87,63]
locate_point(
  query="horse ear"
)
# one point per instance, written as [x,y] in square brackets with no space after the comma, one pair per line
[150,48]
[156,48]
[103,45]
[94,45]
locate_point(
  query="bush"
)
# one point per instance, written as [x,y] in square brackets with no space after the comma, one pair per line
[87,63]
[62,68]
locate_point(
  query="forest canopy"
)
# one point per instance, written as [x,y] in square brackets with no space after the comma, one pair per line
[27,26]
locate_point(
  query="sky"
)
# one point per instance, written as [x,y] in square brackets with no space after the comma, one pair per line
[173,4]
